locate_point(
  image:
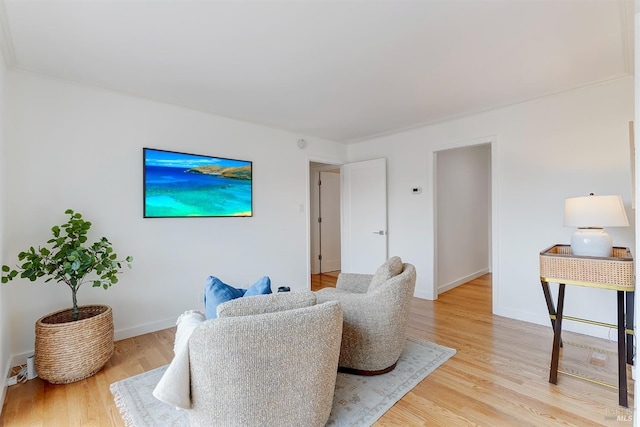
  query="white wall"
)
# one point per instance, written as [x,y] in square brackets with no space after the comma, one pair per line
[5,352]
[71,146]
[636,329]
[544,150]
[463,215]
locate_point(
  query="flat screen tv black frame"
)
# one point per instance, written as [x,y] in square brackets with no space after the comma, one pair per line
[185,185]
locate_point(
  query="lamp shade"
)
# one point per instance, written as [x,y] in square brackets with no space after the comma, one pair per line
[595,212]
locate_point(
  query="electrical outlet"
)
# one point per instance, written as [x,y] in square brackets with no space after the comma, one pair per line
[598,359]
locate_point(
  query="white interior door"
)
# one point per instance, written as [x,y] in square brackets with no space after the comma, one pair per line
[330,220]
[364,216]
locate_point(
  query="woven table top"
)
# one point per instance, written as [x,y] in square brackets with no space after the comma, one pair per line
[559,265]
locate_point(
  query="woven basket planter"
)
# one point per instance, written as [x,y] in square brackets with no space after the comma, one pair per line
[67,350]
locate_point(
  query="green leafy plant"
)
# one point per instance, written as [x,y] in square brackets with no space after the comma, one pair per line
[70,260]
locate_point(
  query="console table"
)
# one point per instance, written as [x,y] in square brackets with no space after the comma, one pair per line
[559,265]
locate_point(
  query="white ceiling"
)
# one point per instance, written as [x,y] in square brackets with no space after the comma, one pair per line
[338,69]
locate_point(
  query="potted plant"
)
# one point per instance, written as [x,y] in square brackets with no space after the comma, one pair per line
[74,343]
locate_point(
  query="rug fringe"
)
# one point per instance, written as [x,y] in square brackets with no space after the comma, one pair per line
[122,406]
[380,393]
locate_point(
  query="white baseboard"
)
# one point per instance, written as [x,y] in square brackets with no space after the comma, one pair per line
[460,281]
[21,358]
[3,390]
[543,319]
[145,328]
[423,295]
[537,318]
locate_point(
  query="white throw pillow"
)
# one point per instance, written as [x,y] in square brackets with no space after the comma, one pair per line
[391,268]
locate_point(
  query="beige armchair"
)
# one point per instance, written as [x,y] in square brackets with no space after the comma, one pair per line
[376,311]
[268,360]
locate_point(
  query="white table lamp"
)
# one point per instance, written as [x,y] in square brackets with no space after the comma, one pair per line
[590,214]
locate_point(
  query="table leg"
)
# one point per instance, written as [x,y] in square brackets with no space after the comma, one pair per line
[622,365]
[557,330]
[629,325]
[550,306]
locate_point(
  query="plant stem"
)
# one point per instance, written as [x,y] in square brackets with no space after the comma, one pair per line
[75,303]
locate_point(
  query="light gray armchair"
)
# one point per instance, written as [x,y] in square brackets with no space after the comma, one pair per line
[268,360]
[376,311]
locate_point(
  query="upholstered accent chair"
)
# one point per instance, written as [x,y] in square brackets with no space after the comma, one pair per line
[376,311]
[267,360]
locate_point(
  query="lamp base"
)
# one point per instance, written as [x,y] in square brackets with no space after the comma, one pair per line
[591,242]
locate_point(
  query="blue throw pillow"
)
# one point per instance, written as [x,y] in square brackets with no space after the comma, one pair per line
[261,287]
[216,292]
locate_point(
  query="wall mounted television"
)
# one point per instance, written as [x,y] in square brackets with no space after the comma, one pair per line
[178,185]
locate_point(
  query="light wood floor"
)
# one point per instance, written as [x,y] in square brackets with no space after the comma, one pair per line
[498,376]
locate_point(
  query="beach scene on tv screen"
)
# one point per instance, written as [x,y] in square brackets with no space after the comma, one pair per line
[181,185]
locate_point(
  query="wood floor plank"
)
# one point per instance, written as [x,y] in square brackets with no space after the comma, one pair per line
[498,377]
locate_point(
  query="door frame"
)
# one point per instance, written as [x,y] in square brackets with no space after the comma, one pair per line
[431,260]
[331,163]
[317,199]
[484,226]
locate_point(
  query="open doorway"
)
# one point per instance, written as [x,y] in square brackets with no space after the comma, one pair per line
[463,215]
[325,251]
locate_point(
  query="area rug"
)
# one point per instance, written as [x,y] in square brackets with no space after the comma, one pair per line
[597,360]
[358,400]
